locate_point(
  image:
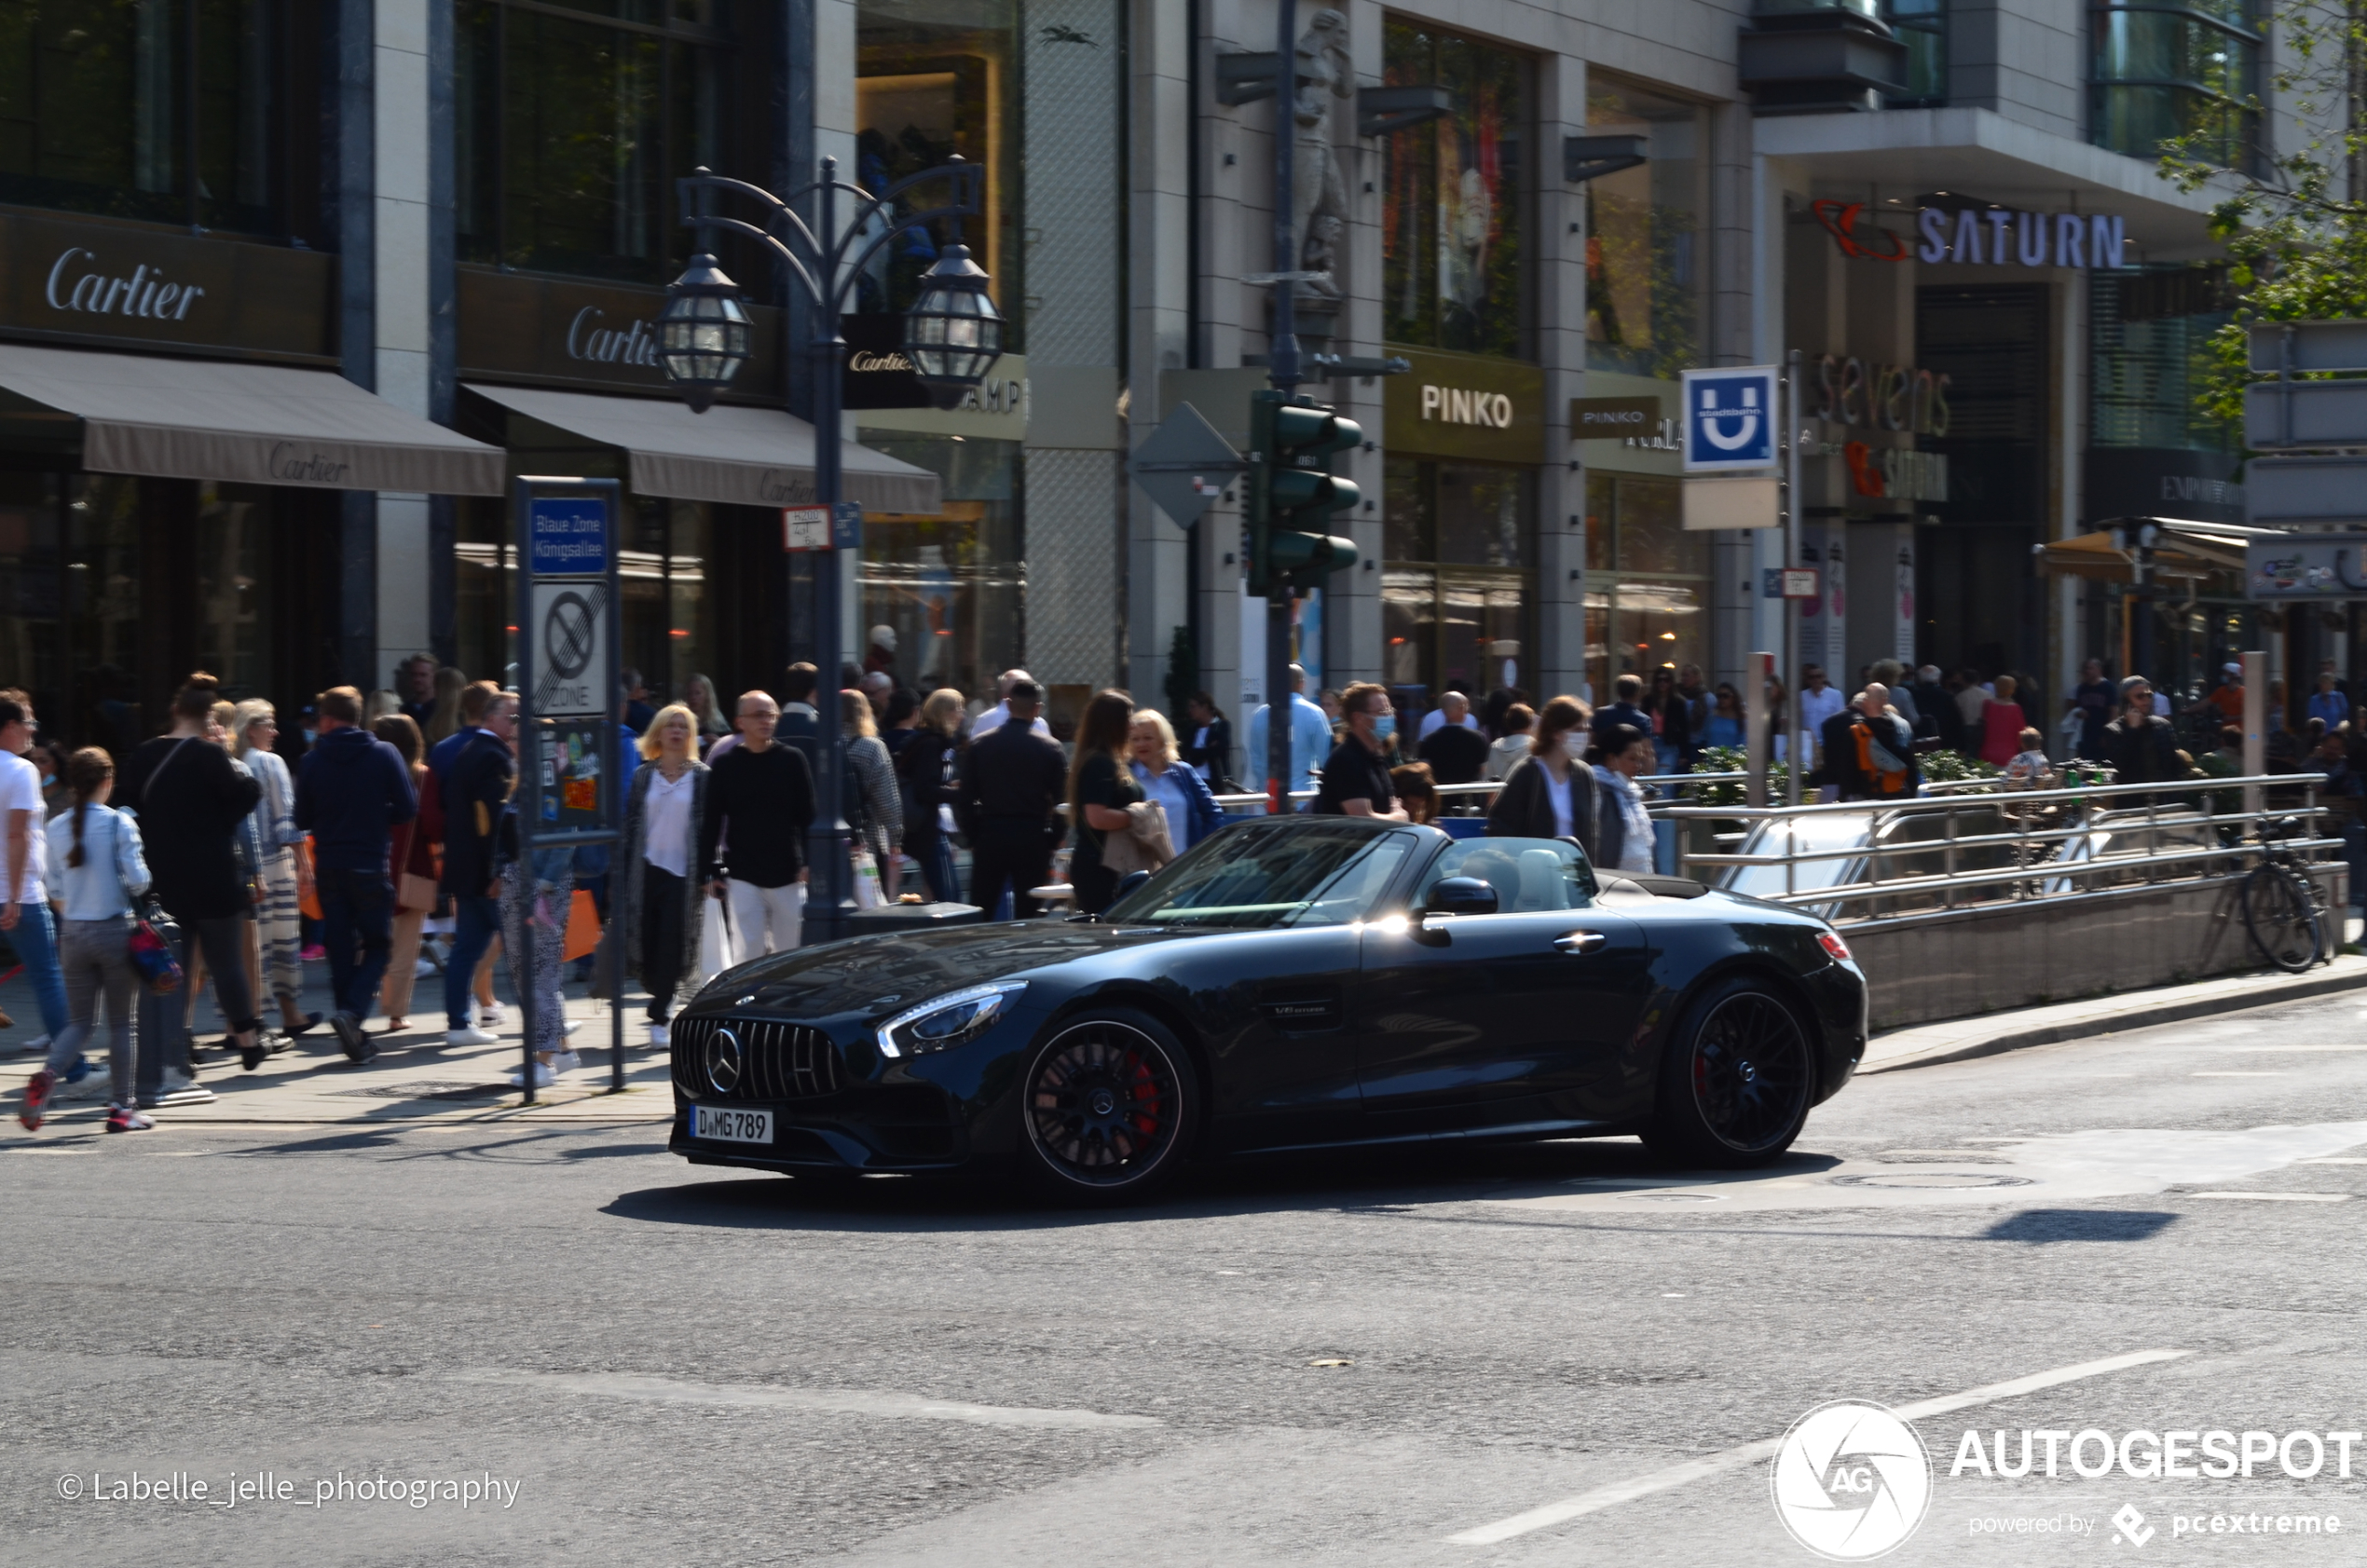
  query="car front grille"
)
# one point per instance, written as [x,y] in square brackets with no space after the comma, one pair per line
[779,1061]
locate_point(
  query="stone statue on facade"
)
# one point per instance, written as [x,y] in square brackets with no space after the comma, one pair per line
[1325,75]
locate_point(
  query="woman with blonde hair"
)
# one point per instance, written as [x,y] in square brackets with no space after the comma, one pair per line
[698,695]
[275,952]
[1158,766]
[929,767]
[444,719]
[659,899]
[872,802]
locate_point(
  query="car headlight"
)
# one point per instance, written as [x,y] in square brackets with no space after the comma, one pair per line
[943,1022]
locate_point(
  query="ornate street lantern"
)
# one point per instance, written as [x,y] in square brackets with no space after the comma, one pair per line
[703,332]
[953,335]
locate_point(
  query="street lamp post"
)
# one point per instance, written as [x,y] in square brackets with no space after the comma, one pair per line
[953,336]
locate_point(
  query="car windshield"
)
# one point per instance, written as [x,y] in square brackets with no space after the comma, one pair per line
[1251,878]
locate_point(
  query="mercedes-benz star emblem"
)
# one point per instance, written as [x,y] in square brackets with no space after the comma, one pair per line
[724,1062]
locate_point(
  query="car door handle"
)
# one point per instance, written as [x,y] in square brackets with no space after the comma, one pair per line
[1581,942]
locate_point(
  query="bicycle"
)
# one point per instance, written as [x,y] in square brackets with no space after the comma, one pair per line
[2282,913]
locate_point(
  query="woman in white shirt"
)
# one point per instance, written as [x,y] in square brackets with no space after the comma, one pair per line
[660,906]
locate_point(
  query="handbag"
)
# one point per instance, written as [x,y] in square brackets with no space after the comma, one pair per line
[152,955]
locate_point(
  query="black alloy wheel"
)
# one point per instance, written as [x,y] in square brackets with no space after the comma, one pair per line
[1107,1105]
[1736,1081]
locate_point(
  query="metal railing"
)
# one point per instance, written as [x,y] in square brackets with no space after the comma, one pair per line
[1912,862]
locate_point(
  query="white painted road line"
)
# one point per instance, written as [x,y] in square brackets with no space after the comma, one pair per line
[2276,1197]
[2236,1075]
[1750,1454]
[835,1401]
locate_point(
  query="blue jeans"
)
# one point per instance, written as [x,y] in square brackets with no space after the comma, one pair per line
[936,866]
[475,921]
[35,940]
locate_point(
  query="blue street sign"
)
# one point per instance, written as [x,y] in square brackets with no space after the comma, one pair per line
[570,536]
[1730,419]
[847,526]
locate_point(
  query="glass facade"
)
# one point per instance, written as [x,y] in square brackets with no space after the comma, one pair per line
[2150,349]
[573,123]
[2181,69]
[1455,578]
[1646,276]
[950,585]
[1648,581]
[175,110]
[1921,26]
[1454,212]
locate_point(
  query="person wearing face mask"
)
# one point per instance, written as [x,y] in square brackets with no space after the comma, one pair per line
[1551,793]
[1624,834]
[1355,777]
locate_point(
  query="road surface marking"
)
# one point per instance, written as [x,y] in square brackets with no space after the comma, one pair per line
[1751,1454]
[2276,1197]
[836,1401]
[2236,1075]
[2281,1049]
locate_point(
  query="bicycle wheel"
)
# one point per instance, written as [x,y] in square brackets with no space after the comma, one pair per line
[2281,916]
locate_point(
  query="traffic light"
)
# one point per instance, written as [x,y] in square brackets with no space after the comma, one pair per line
[1292,496]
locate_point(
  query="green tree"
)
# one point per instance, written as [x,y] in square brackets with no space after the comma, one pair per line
[2294,224]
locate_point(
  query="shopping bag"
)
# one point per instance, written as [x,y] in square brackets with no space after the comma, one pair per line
[152,956]
[584,927]
[717,951]
[307,891]
[867,880]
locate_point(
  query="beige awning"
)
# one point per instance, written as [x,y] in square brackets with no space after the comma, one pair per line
[174,419]
[740,457]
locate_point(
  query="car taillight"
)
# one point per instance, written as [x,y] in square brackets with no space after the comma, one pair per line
[1834,946]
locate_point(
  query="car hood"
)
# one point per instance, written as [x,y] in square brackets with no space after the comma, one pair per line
[874,974]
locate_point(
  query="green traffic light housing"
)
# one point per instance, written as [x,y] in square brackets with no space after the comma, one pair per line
[1292,496]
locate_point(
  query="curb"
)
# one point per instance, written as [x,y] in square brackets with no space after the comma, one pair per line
[2140,1016]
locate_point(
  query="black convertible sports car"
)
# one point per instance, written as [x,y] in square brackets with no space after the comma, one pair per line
[1287,984]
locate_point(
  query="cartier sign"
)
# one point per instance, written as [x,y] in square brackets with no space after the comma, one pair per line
[556,331]
[97,281]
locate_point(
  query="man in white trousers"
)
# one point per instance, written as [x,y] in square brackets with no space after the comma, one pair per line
[759,805]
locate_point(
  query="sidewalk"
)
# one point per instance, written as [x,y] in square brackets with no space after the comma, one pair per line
[415,1078]
[1959,1040]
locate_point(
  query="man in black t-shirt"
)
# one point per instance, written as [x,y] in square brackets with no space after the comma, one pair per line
[1012,782]
[760,809]
[1356,781]
[1457,753]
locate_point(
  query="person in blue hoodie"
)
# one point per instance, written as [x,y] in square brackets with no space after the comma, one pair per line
[352,789]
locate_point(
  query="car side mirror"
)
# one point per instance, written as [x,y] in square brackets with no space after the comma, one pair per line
[1462,896]
[1131,880]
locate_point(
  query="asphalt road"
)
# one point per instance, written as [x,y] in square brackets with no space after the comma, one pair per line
[1307,1362]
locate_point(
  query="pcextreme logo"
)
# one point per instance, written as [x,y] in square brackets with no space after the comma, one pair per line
[1852,1480]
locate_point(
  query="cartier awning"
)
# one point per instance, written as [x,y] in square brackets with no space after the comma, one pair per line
[738,457]
[175,419]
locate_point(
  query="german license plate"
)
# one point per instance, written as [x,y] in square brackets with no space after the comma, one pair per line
[731,1127]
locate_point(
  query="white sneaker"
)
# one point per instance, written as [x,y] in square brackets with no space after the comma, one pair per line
[422,969]
[180,1088]
[470,1037]
[542,1078]
[565,1061]
[570,1026]
[489,1015]
[659,1038]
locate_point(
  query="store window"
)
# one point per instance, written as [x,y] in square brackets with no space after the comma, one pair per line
[950,585]
[2168,69]
[572,124]
[933,83]
[1454,581]
[70,604]
[1648,581]
[1646,277]
[1455,213]
[175,110]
